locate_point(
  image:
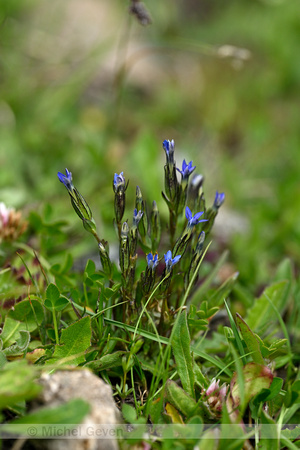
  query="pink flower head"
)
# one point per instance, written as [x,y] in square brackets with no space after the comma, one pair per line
[4,214]
[215,396]
[214,386]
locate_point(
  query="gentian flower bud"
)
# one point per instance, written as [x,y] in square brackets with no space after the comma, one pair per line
[140,206]
[79,204]
[196,184]
[149,278]
[155,229]
[169,147]
[195,192]
[171,183]
[104,258]
[186,171]
[119,187]
[196,257]
[124,248]
[134,232]
[213,211]
[137,217]
[219,199]
[66,179]
[119,182]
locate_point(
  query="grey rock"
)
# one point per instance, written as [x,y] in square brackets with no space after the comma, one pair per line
[64,385]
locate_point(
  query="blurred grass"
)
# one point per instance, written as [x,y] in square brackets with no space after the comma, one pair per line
[84,86]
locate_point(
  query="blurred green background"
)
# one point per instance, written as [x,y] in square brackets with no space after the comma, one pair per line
[83,85]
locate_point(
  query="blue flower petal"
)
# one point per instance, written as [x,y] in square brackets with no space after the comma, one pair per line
[188,213]
[176,259]
[66,179]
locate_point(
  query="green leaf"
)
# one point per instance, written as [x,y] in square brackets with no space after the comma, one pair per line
[54,301]
[251,340]
[3,360]
[173,414]
[223,291]
[89,268]
[20,346]
[70,413]
[194,321]
[269,434]
[284,271]
[17,383]
[52,293]
[200,292]
[182,353]
[180,399]
[107,361]
[74,341]
[200,379]
[30,312]
[59,305]
[231,437]
[266,351]
[205,312]
[262,314]
[291,434]
[10,332]
[268,394]
[238,340]
[129,413]
[214,360]
[256,378]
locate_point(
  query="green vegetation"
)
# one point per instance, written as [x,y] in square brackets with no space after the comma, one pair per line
[192,325]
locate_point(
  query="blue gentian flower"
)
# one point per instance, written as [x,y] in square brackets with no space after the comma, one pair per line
[169,261]
[119,181]
[193,220]
[169,147]
[66,179]
[187,169]
[137,217]
[219,199]
[152,261]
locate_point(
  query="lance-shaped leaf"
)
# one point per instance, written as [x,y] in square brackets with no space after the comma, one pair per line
[74,341]
[173,414]
[180,399]
[182,354]
[262,314]
[107,361]
[223,291]
[251,340]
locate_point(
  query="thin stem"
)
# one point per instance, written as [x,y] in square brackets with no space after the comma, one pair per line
[55,327]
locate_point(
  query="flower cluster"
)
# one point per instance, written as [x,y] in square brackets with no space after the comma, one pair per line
[12,224]
[185,200]
[215,396]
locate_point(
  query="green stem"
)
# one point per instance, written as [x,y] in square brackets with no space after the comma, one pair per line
[55,327]
[173,223]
